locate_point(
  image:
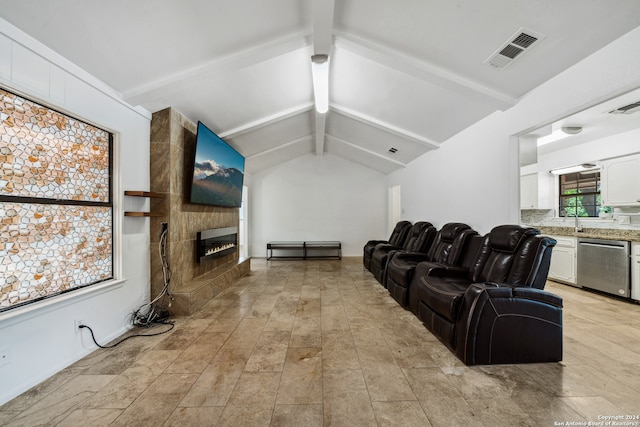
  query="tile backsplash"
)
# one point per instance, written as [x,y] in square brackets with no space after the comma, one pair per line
[546,217]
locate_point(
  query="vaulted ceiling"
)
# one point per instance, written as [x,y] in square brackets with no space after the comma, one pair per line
[406,74]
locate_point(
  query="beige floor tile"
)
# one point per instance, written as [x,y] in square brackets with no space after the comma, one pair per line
[34,394]
[246,333]
[256,388]
[474,384]
[364,334]
[301,382]
[246,416]
[352,409]
[590,407]
[447,411]
[297,416]
[545,409]
[194,417]
[267,358]
[56,406]
[336,383]
[179,339]
[320,342]
[195,358]
[406,414]
[8,415]
[262,307]
[309,305]
[226,322]
[158,401]
[383,376]
[428,383]
[280,321]
[333,318]
[306,332]
[501,412]
[339,351]
[157,360]
[216,383]
[90,417]
[123,390]
[413,355]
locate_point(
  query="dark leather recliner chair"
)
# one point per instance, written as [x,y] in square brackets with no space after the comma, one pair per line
[419,239]
[446,249]
[398,235]
[496,311]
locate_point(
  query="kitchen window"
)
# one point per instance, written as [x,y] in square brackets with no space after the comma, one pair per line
[580,194]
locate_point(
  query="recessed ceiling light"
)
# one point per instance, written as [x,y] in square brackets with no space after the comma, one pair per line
[571,130]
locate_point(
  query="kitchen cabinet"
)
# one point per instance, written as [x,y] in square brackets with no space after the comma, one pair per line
[529,191]
[563,260]
[620,185]
[635,271]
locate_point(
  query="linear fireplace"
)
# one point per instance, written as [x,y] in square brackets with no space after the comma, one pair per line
[216,243]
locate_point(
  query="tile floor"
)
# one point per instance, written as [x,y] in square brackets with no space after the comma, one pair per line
[313,343]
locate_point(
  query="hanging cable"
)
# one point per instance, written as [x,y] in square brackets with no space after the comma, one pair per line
[153,311]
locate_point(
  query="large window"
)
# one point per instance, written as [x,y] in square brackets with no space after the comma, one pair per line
[56,209]
[580,194]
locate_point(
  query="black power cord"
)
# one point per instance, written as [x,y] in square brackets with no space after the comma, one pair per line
[130,336]
[156,314]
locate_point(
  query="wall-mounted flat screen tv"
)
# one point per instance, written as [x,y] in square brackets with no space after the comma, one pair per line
[218,171]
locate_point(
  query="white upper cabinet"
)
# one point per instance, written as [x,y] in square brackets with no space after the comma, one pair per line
[529,191]
[621,181]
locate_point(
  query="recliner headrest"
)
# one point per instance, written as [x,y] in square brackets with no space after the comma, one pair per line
[400,225]
[451,230]
[419,227]
[507,238]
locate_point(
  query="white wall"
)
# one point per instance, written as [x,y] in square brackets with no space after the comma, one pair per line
[40,339]
[317,198]
[474,176]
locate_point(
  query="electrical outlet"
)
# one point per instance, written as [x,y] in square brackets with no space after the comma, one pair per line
[5,358]
[76,325]
[623,219]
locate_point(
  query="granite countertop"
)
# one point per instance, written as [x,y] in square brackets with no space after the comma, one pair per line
[595,233]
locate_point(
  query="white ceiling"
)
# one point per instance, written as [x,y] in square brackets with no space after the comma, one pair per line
[596,123]
[406,74]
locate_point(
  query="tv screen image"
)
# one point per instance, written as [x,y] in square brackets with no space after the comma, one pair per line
[218,171]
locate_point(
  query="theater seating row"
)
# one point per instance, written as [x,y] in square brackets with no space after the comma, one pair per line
[481,295]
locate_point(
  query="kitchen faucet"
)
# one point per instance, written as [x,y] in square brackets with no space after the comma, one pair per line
[578,228]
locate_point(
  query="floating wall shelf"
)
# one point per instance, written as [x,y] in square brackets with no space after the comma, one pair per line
[143,194]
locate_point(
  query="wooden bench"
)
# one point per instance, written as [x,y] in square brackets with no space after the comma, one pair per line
[305,249]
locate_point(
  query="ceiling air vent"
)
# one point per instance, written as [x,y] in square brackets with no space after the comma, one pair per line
[393,150]
[521,41]
[627,109]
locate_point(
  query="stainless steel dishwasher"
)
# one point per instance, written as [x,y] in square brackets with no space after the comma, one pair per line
[603,265]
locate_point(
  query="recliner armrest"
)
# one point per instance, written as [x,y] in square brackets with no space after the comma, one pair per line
[440,270]
[499,323]
[521,292]
[376,242]
[409,256]
[386,246]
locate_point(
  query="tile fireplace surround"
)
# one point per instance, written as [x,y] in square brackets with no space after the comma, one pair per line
[173,139]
